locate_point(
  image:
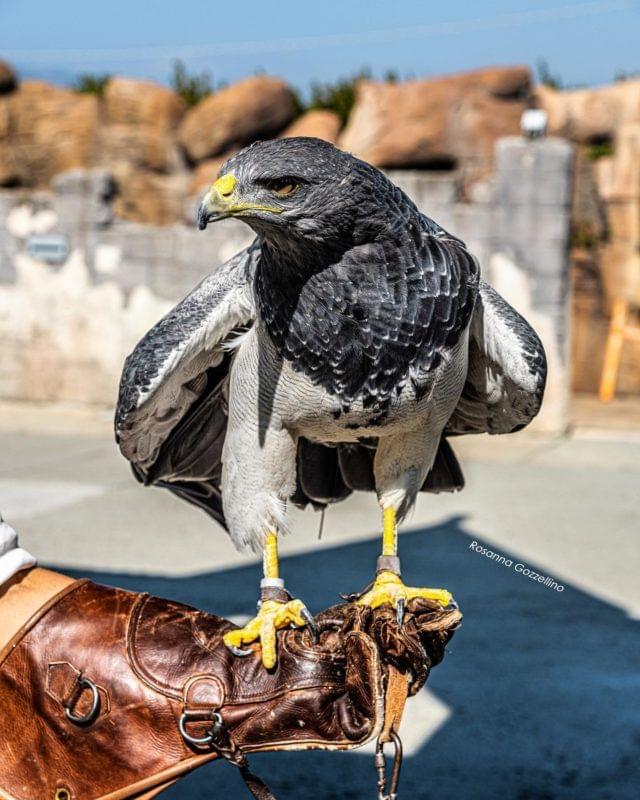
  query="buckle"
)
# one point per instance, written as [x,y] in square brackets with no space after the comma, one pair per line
[88,718]
[199,716]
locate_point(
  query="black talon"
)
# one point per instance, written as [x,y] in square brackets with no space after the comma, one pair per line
[400,611]
[311,623]
[237,651]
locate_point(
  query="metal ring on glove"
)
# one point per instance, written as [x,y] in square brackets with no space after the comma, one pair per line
[85,719]
[191,715]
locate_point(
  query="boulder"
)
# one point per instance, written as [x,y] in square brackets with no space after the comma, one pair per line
[441,123]
[509,83]
[9,167]
[618,178]
[143,146]
[321,123]
[8,79]
[625,164]
[147,197]
[47,130]
[138,141]
[10,170]
[590,115]
[258,107]
[142,103]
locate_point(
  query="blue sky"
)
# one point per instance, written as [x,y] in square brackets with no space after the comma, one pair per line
[584,42]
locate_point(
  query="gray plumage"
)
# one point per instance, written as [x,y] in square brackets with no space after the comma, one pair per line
[334,354]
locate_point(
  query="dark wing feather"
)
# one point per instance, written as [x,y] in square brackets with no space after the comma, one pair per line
[507,370]
[171,416]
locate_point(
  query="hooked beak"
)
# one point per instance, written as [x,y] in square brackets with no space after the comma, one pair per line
[217,202]
[222,201]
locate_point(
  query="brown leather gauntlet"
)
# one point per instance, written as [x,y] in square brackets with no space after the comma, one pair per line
[109,694]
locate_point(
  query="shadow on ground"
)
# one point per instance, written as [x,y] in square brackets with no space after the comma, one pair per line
[543,688]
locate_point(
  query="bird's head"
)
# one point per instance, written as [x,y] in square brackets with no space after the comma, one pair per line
[299,188]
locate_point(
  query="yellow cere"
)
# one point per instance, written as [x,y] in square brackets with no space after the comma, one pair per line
[225,184]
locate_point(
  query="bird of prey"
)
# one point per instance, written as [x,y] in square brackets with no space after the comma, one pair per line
[338,352]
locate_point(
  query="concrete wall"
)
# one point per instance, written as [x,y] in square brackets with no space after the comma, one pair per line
[66,328]
[530,267]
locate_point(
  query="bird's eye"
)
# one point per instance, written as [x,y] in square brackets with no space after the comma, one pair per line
[283,187]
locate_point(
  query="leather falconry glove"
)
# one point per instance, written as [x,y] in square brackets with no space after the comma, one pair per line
[107,694]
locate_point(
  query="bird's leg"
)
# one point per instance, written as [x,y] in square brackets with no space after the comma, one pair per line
[388,588]
[276,610]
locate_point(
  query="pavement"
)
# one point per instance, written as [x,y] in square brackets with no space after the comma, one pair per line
[539,695]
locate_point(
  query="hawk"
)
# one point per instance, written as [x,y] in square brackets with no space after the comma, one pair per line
[337,353]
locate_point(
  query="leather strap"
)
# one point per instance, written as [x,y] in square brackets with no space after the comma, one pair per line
[224,745]
[395,700]
[256,786]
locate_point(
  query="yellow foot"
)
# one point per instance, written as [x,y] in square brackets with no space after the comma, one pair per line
[388,589]
[272,615]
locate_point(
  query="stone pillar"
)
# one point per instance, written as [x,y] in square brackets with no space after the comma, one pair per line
[530,262]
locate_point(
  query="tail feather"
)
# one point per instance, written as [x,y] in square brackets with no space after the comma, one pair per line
[446,473]
[329,474]
[319,476]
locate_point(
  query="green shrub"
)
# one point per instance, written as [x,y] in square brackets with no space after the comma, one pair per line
[191,88]
[583,236]
[624,75]
[88,83]
[599,149]
[339,96]
[546,77]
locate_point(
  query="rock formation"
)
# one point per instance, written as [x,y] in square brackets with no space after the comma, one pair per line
[590,115]
[258,107]
[441,123]
[45,130]
[138,143]
[8,79]
[321,123]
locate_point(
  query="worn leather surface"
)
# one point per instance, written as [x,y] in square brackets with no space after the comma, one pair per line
[153,659]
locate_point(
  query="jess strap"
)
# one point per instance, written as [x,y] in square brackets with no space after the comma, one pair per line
[107,694]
